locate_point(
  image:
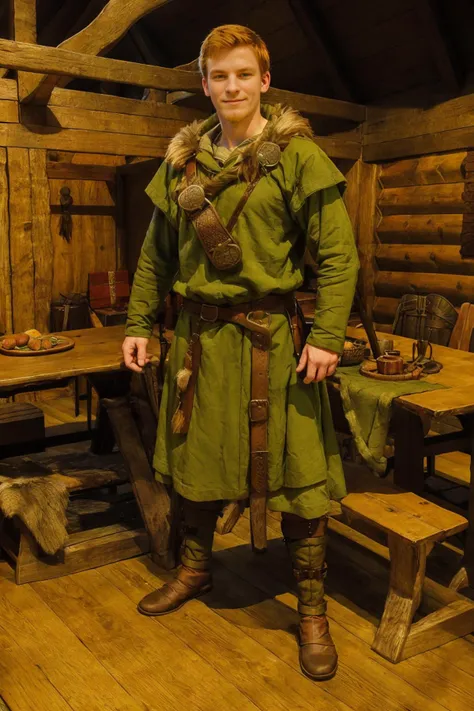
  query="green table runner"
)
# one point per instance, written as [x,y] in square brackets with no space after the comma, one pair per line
[367,406]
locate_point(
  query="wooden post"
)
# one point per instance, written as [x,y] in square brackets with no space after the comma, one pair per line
[409,436]
[120,231]
[6,318]
[352,194]
[367,239]
[24,30]
[21,246]
[41,239]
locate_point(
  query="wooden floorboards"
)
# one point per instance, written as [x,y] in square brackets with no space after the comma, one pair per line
[78,643]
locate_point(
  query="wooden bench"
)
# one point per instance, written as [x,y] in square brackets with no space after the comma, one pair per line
[103,521]
[413,525]
[21,423]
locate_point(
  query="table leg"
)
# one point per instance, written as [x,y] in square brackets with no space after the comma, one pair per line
[465,576]
[152,497]
[106,385]
[409,437]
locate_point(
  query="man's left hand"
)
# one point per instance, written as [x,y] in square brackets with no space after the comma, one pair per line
[319,363]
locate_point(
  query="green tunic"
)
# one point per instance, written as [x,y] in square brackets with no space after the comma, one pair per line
[294,206]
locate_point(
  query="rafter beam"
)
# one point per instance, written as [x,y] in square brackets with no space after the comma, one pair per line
[440,50]
[310,24]
[97,38]
[36,58]
[52,60]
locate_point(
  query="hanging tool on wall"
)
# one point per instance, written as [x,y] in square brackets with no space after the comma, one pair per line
[65,225]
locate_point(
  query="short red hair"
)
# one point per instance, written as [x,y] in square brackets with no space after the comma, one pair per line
[228,37]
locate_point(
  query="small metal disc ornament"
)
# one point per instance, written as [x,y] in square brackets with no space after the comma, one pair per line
[269,154]
[192,198]
[226,256]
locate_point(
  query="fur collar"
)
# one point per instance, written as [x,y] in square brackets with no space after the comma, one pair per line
[283,124]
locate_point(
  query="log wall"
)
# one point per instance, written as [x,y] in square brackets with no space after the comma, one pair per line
[419,218]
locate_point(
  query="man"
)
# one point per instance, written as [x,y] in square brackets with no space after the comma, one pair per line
[238,199]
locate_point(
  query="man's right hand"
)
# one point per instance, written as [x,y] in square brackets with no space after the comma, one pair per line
[134,353]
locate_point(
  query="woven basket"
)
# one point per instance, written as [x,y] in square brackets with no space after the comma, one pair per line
[355,355]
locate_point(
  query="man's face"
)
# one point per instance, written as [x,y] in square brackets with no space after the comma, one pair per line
[234,83]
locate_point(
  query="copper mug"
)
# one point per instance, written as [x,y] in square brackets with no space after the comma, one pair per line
[420,349]
[390,364]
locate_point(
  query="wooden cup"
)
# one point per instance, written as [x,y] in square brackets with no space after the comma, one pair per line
[390,365]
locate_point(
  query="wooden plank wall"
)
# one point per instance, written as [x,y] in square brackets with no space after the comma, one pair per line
[37,264]
[93,243]
[38,156]
[417,235]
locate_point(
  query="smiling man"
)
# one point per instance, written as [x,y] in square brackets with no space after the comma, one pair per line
[245,412]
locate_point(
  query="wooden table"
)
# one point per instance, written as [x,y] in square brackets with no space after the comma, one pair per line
[97,354]
[412,418]
[97,351]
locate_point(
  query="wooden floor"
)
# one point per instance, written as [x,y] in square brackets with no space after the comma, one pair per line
[78,643]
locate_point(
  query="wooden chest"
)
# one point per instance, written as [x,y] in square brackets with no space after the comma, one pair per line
[109,289]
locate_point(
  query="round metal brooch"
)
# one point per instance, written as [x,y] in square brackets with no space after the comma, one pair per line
[192,198]
[269,154]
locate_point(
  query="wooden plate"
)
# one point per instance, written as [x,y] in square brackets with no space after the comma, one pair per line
[65,344]
[370,370]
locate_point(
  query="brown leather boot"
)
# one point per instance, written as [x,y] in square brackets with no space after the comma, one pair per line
[318,656]
[193,578]
[187,585]
[306,543]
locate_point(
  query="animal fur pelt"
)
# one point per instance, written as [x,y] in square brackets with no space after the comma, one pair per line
[41,504]
[283,124]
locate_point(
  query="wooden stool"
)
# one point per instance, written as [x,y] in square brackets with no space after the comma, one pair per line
[413,526]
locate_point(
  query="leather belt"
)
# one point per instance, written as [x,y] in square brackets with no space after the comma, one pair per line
[254,316]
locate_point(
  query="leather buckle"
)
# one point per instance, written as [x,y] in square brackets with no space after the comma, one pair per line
[310,573]
[214,310]
[258,410]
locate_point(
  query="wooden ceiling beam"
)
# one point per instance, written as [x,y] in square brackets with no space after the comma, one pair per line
[442,54]
[309,22]
[53,60]
[97,38]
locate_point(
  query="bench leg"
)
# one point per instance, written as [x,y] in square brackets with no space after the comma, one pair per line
[407,573]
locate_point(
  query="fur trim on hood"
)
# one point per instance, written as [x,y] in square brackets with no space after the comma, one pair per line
[283,124]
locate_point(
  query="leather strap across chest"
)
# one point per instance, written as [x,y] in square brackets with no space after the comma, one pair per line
[221,248]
